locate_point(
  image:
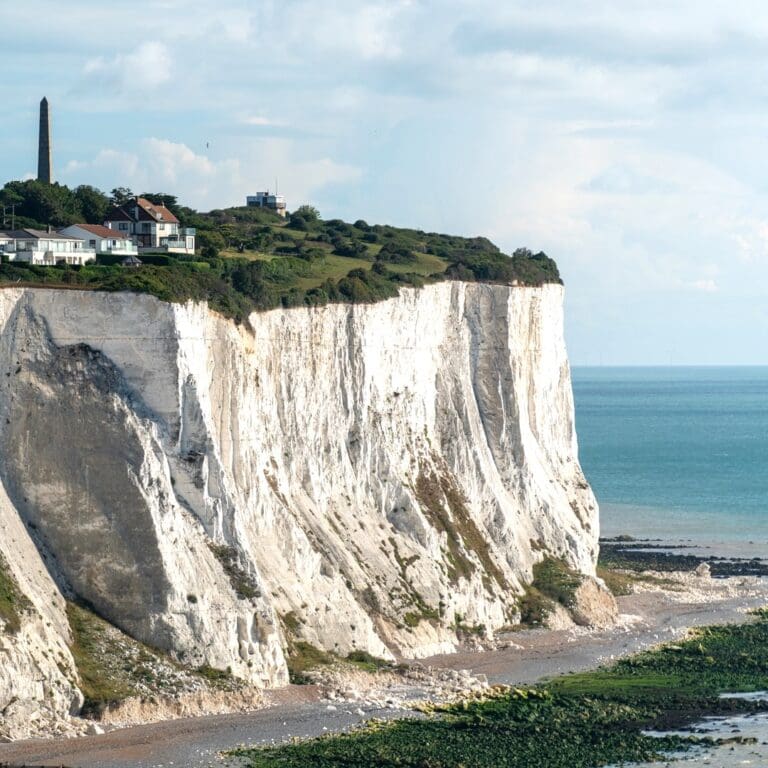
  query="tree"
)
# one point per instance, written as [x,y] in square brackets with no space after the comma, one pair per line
[396,253]
[93,203]
[161,198]
[121,196]
[210,243]
[39,204]
[307,212]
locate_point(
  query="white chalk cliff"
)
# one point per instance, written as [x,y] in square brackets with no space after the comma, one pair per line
[363,476]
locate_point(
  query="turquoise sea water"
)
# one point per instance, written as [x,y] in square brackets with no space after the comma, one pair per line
[676,452]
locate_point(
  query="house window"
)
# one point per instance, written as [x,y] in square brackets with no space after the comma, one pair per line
[123,225]
[91,243]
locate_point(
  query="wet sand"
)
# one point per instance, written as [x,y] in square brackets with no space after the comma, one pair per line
[648,617]
[751,728]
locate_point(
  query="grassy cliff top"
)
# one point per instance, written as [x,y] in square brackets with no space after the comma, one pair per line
[250,259]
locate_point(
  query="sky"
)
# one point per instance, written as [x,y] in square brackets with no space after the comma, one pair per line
[625,139]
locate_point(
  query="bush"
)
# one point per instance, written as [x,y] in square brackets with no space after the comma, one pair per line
[293,264]
[555,579]
[349,248]
[396,254]
[210,244]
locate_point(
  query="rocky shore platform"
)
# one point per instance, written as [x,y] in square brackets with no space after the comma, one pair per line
[660,605]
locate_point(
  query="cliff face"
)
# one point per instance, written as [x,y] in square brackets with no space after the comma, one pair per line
[362,477]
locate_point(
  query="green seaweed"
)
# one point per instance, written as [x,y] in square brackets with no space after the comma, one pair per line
[578,721]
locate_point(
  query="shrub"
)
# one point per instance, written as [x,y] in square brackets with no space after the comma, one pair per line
[13,603]
[555,579]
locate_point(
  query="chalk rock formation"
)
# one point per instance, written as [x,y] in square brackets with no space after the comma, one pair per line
[377,477]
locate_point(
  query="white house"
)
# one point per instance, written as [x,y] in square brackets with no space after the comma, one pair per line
[151,227]
[102,239]
[275,203]
[36,246]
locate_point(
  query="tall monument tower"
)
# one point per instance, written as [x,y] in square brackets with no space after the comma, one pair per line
[44,163]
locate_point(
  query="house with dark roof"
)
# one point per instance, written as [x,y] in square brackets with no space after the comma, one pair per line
[151,227]
[102,239]
[45,248]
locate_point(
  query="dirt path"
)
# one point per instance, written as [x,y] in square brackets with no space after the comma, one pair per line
[647,618]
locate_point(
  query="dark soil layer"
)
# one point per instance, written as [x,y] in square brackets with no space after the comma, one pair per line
[578,721]
[639,555]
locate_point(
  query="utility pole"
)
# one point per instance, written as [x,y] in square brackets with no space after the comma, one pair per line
[12,206]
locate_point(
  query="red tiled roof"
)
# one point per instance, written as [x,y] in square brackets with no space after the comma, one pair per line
[147,211]
[155,212]
[100,231]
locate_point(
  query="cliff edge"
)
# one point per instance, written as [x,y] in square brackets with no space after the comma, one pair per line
[377,477]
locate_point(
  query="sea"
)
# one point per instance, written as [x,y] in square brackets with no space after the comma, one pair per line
[681,455]
[678,454]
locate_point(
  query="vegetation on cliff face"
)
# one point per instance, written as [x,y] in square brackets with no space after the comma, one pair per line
[13,603]
[553,582]
[251,259]
[113,667]
[578,721]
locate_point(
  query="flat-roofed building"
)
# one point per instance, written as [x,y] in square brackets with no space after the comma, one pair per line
[40,247]
[275,203]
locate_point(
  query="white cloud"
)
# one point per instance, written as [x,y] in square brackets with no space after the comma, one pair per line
[160,165]
[368,30]
[705,286]
[625,180]
[147,67]
[260,121]
[625,139]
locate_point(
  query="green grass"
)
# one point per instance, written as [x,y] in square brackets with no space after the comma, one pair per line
[251,260]
[426,264]
[618,583]
[535,607]
[303,657]
[231,253]
[330,267]
[113,667]
[553,582]
[13,604]
[621,582]
[578,721]
[555,579]
[99,684]
[214,675]
[367,661]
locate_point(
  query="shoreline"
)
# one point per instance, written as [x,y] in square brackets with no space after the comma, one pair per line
[654,613]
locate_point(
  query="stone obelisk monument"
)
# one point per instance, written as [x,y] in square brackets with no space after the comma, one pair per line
[44,163]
